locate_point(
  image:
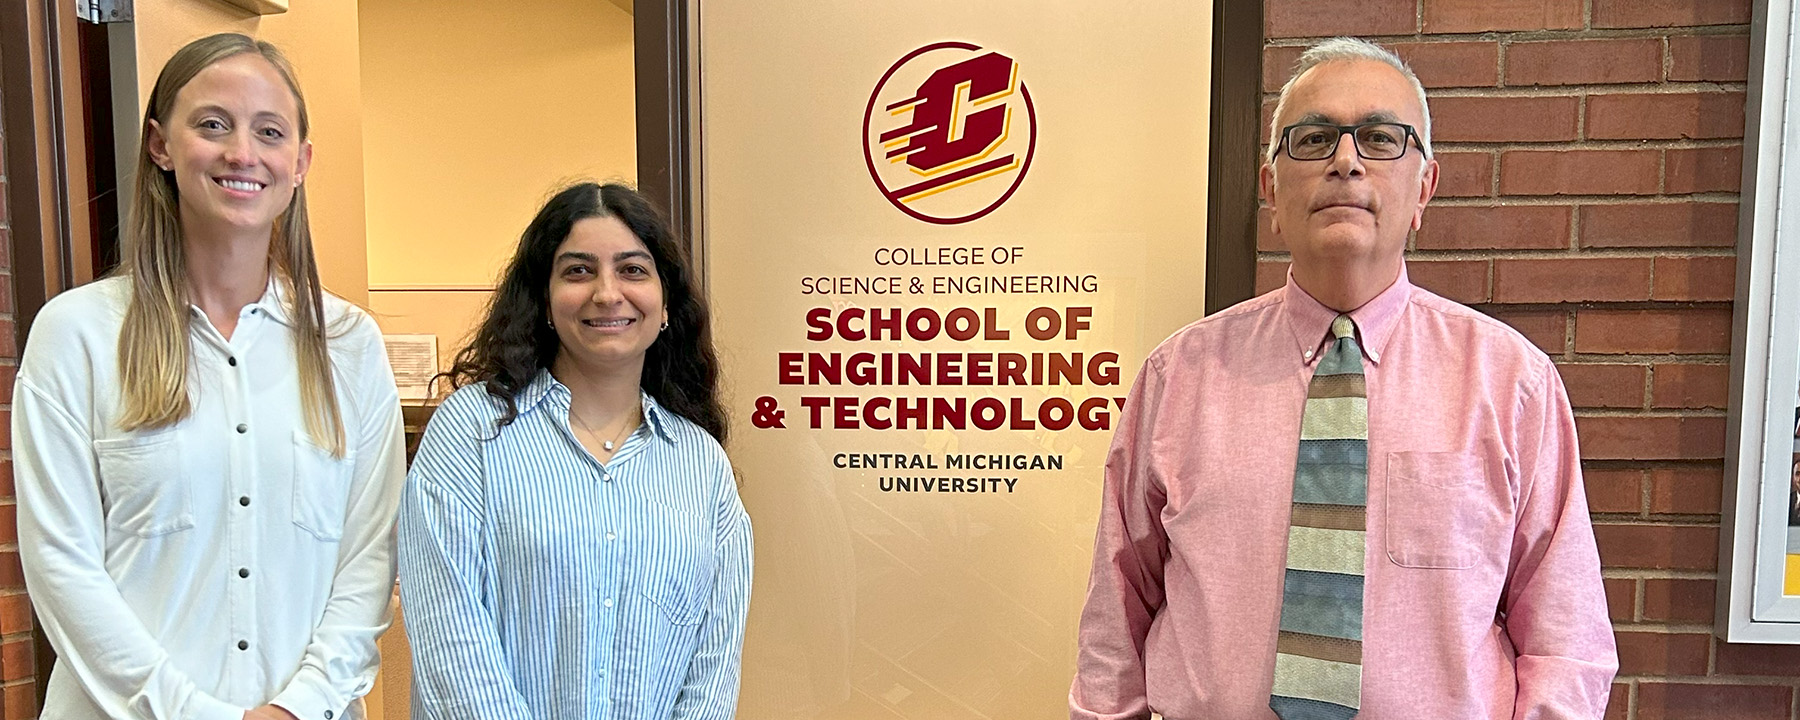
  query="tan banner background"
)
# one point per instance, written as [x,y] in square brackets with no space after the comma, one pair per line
[919,589]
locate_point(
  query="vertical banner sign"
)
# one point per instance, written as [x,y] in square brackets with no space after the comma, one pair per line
[940,238]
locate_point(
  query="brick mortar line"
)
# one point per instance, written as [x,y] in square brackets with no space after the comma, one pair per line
[1560,254]
[1671,87]
[1553,201]
[1654,574]
[1720,680]
[1649,414]
[1465,255]
[1560,200]
[1646,465]
[1622,305]
[1539,35]
[1661,519]
[1499,201]
[1640,522]
[1442,146]
[1522,200]
[1669,629]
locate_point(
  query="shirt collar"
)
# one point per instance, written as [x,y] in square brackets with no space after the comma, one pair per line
[273,302]
[546,387]
[1375,321]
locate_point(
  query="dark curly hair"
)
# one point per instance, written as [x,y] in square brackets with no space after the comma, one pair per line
[513,344]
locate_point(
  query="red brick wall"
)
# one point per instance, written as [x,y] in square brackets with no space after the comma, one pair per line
[1591,154]
[18,685]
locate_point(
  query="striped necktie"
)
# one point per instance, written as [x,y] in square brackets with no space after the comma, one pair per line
[1318,654]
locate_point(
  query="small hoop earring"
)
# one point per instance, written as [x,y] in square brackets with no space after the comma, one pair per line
[665,326]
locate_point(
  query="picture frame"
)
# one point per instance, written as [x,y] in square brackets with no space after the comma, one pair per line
[1759,561]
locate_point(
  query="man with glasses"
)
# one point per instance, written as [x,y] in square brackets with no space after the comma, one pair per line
[1348,497]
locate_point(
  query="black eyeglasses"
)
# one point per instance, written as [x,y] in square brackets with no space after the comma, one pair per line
[1373,141]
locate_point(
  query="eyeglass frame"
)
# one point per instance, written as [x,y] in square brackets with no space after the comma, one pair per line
[1284,147]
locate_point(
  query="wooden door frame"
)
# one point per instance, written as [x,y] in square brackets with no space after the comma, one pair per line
[46,133]
[46,153]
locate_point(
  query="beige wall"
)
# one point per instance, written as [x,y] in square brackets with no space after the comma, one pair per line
[473,112]
[320,37]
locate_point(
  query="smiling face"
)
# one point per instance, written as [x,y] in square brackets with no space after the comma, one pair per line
[232,143]
[606,300]
[1344,214]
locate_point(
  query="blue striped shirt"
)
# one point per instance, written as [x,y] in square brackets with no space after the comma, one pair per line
[538,583]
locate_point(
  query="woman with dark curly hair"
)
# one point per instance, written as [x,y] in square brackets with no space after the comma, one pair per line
[572,545]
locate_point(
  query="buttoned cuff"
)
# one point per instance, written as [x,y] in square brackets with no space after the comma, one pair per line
[206,707]
[310,697]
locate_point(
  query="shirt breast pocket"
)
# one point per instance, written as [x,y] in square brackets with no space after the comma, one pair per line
[679,570]
[145,490]
[321,488]
[1441,510]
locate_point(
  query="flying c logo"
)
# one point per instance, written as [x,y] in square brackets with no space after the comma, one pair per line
[949,132]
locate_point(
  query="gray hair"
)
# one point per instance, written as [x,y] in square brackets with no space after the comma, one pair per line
[1348,48]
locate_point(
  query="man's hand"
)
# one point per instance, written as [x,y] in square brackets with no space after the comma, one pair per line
[269,712]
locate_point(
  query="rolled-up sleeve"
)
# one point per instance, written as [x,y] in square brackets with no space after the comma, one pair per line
[1555,604]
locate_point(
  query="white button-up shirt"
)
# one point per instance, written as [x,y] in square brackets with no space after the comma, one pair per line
[223,562]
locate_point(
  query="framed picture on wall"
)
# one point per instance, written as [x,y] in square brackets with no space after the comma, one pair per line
[1759,559]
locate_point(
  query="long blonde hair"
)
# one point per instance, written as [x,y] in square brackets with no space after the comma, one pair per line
[154,343]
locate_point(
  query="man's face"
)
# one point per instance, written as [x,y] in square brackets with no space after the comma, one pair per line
[1344,212]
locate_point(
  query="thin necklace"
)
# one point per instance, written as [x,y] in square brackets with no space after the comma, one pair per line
[606,445]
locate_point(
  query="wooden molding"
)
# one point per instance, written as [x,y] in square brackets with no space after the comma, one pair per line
[259,7]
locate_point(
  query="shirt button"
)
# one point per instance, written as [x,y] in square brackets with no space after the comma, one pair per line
[327,715]
[607,602]
[243,572]
[1307,354]
[243,644]
[244,501]
[610,536]
[242,428]
[232,361]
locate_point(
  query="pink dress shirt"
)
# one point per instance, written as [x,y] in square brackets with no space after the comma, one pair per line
[1483,595]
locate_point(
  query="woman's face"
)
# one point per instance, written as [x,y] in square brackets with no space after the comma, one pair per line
[232,141]
[606,300]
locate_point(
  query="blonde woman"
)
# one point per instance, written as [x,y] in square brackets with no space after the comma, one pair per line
[207,446]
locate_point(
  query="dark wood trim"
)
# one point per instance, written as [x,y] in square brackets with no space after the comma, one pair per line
[665,111]
[1232,158]
[46,153]
[43,109]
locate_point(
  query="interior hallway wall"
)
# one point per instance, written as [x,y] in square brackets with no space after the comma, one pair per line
[473,114]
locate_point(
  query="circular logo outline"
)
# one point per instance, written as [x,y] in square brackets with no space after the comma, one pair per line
[869,157]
